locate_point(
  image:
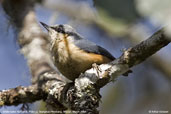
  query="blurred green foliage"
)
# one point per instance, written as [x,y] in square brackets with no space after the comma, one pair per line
[122,9]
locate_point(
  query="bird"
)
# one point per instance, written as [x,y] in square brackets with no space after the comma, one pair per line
[72,54]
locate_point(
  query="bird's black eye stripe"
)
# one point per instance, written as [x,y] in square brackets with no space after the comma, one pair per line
[59,29]
[70,33]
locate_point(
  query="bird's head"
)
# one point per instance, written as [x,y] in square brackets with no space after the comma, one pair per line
[59,31]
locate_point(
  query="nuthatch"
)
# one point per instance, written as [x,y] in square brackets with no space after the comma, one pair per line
[73,54]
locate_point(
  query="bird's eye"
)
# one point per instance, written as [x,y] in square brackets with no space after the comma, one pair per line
[60,29]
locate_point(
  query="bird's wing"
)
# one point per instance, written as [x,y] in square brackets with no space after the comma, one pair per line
[91,47]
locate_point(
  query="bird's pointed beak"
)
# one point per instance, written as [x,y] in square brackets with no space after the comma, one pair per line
[47,27]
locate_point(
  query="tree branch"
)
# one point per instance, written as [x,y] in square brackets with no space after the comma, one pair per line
[20,95]
[83,94]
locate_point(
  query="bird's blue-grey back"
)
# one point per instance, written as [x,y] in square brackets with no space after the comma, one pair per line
[91,47]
